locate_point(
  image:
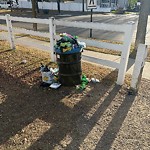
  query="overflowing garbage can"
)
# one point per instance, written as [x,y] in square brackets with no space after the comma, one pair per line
[68,55]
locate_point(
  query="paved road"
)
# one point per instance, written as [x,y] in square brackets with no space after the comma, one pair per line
[102,35]
[83,16]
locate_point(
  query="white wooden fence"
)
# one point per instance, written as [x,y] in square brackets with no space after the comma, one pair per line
[124,48]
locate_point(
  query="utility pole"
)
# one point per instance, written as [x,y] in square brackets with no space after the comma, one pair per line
[142,24]
[34,15]
[140,39]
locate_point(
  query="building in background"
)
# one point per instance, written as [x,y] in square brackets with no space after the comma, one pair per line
[77,5]
[113,4]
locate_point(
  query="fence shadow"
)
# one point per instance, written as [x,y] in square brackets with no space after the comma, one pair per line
[5,51]
[24,104]
[91,123]
[72,122]
[110,133]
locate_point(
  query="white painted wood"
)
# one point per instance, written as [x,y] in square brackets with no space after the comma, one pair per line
[99,44]
[93,25]
[139,64]
[52,30]
[110,46]
[125,54]
[31,20]
[124,48]
[3,17]
[31,32]
[10,32]
[101,61]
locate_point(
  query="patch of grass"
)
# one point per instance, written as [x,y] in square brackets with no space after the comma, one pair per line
[40,38]
[13,59]
[103,50]
[91,48]
[4,10]
[29,72]
[34,37]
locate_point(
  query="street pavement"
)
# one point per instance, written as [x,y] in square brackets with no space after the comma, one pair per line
[88,56]
[84,17]
[80,16]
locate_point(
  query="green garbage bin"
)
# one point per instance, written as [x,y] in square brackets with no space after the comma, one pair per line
[69,64]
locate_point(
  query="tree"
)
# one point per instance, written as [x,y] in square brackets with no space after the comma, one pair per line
[10,2]
[142,25]
[37,7]
[17,2]
[132,3]
[58,6]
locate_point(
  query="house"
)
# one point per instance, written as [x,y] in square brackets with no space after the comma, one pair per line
[76,5]
[113,4]
[122,4]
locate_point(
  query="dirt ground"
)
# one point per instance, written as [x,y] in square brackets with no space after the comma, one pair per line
[102,117]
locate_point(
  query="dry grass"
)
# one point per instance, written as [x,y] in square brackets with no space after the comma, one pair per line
[4,11]
[103,116]
[34,37]
[35,57]
[101,50]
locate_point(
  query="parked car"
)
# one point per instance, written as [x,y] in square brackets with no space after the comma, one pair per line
[6,5]
[15,5]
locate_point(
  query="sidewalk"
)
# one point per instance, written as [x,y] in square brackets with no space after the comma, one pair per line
[88,56]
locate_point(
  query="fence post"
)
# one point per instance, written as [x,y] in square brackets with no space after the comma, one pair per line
[52,30]
[138,67]
[125,54]
[10,32]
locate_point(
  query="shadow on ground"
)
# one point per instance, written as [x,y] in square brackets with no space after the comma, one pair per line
[70,123]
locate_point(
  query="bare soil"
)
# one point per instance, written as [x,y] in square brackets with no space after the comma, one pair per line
[104,116]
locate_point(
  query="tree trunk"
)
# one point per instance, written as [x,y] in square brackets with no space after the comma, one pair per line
[109,3]
[10,1]
[58,6]
[83,5]
[34,15]
[17,2]
[37,7]
[142,25]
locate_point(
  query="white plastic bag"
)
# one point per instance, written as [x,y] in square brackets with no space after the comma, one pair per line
[47,77]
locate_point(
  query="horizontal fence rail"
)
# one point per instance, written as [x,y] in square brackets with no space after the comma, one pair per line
[31,32]
[30,20]
[102,61]
[124,47]
[110,46]
[3,17]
